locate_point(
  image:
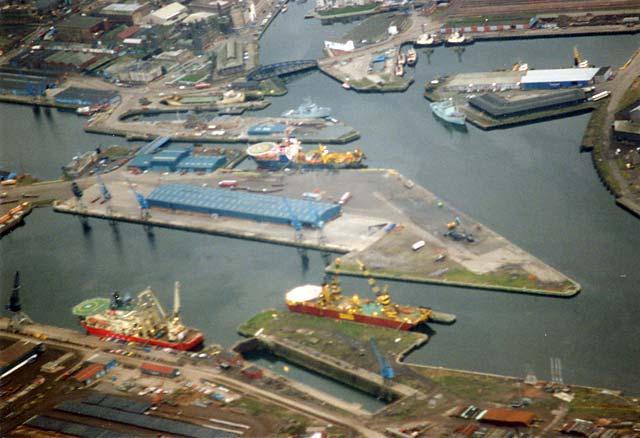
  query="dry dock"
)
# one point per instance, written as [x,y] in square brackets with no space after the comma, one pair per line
[385,217]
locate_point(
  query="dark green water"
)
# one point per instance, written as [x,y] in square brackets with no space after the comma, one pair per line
[530,184]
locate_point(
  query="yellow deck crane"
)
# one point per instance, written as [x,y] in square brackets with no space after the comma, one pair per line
[382,296]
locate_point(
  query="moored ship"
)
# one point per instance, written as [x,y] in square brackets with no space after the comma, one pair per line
[141,320]
[308,110]
[14,217]
[289,154]
[427,40]
[458,39]
[327,301]
[447,111]
[412,56]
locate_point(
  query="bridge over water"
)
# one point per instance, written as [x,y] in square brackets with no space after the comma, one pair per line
[281,68]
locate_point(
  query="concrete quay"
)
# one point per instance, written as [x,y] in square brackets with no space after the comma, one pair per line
[387,214]
[228,129]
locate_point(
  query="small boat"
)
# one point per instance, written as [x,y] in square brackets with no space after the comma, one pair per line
[447,111]
[402,59]
[458,39]
[284,9]
[346,85]
[399,70]
[427,40]
[412,56]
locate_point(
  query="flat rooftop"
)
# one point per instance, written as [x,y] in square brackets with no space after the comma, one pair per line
[487,78]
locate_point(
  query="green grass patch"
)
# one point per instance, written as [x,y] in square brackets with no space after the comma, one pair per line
[507,279]
[347,10]
[487,20]
[594,404]
[194,77]
[473,387]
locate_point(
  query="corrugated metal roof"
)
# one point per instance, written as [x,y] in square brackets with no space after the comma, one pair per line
[242,205]
[169,11]
[508,416]
[172,427]
[74,429]
[88,372]
[16,351]
[559,75]
[115,402]
[205,162]
[156,367]
[122,7]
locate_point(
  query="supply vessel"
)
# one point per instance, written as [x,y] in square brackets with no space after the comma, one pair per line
[289,154]
[327,301]
[141,320]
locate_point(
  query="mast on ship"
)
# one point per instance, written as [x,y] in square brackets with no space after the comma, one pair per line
[175,327]
[382,296]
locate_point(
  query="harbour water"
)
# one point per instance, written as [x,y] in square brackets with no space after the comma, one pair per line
[530,184]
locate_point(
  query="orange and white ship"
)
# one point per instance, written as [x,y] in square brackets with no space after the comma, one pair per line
[141,320]
[327,301]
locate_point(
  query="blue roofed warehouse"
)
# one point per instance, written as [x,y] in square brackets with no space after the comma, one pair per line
[243,205]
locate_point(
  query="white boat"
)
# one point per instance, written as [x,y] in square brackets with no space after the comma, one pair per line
[427,40]
[458,39]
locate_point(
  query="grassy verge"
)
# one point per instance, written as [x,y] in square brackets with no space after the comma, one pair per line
[511,280]
[487,20]
[592,404]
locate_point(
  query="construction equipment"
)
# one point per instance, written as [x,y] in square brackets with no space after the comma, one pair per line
[18,317]
[385,369]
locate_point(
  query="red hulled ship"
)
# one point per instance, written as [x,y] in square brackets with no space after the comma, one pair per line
[327,301]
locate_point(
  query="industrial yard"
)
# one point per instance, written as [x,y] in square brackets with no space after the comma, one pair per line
[186,80]
[81,384]
[455,249]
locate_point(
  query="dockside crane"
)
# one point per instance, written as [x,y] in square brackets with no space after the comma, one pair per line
[106,194]
[18,317]
[297,226]
[144,205]
[385,369]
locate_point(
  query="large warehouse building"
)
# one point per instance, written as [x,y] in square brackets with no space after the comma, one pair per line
[243,205]
[557,78]
[498,107]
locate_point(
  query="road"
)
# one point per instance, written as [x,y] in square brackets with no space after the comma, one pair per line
[618,87]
